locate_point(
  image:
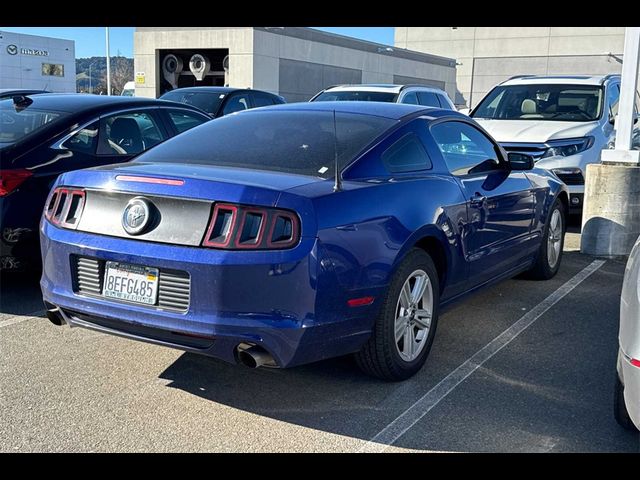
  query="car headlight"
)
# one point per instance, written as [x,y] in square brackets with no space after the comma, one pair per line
[565,148]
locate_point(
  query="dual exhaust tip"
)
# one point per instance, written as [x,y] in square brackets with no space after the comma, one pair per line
[252,356]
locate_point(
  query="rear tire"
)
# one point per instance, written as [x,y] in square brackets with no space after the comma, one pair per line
[406,324]
[620,408]
[549,255]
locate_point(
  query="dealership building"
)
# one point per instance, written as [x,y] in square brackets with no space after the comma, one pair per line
[32,61]
[485,56]
[294,62]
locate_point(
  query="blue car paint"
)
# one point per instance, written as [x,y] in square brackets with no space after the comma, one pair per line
[294,302]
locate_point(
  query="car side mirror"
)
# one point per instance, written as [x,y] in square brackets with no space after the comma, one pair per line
[520,161]
[613,119]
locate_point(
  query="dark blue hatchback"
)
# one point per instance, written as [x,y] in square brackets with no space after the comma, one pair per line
[236,239]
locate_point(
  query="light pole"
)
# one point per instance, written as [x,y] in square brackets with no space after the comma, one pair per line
[108,63]
[90,77]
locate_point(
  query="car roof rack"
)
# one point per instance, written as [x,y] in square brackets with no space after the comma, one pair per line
[517,76]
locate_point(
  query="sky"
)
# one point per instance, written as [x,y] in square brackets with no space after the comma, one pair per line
[90,41]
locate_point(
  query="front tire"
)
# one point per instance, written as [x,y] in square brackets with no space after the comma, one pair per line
[406,324]
[550,252]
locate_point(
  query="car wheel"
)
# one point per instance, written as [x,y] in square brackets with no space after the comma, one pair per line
[620,408]
[406,324]
[550,251]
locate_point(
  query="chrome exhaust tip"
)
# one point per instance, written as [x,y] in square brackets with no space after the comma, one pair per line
[53,314]
[253,356]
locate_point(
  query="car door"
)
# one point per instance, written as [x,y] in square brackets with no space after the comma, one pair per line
[500,201]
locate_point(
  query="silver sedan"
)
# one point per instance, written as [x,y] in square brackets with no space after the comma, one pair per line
[627,390]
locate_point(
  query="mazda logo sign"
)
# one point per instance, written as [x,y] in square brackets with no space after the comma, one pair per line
[12,49]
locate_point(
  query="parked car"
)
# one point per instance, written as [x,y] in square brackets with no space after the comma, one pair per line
[564,122]
[219,101]
[236,240]
[129,89]
[411,94]
[627,383]
[14,92]
[42,136]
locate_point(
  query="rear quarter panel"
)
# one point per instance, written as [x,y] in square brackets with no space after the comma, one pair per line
[366,229]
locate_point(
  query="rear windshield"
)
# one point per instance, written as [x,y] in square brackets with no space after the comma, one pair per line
[556,102]
[301,142]
[356,96]
[18,123]
[207,101]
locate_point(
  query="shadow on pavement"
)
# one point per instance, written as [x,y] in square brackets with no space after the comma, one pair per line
[551,389]
[20,293]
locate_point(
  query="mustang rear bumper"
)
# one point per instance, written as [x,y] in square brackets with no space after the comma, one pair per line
[287,302]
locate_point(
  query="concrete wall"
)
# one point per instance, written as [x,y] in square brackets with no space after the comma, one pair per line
[323,59]
[294,62]
[147,40]
[489,55]
[23,69]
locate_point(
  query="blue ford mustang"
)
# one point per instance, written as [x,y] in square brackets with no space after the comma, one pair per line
[236,239]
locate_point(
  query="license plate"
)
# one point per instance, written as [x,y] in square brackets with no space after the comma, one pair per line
[133,283]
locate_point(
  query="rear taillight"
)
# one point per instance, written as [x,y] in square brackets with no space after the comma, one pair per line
[239,227]
[12,179]
[65,206]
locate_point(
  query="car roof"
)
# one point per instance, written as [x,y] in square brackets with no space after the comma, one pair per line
[79,102]
[559,79]
[21,90]
[395,111]
[215,90]
[379,87]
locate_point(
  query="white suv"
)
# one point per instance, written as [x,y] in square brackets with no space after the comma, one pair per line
[564,122]
[412,94]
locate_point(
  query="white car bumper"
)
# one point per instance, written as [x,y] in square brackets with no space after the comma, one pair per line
[630,378]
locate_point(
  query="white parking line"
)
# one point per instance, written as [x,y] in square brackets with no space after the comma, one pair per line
[20,318]
[412,415]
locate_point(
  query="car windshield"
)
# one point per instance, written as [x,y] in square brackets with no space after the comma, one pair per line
[19,122]
[301,142]
[356,96]
[207,101]
[561,102]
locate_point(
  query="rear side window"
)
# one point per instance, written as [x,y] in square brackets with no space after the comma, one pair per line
[128,133]
[236,103]
[444,102]
[429,99]
[85,141]
[410,98]
[262,100]
[406,155]
[184,120]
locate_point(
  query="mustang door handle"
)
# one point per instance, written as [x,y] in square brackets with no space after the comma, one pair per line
[477,200]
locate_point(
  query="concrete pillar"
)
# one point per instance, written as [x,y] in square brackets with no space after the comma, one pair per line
[611,215]
[611,212]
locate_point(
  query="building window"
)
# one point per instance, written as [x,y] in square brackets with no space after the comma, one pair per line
[55,69]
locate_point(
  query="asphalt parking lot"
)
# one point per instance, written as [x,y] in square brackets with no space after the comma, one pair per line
[521,367]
